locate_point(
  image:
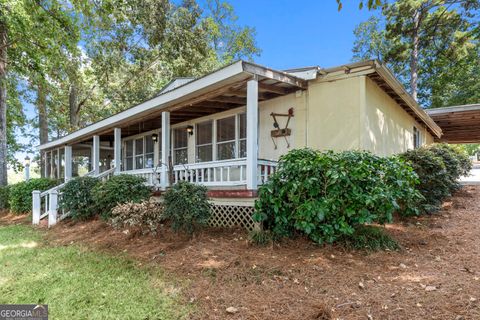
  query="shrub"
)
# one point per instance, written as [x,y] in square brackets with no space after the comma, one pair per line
[327,195]
[187,206]
[146,216]
[117,190]
[4,197]
[77,198]
[457,162]
[260,237]
[21,193]
[370,238]
[439,167]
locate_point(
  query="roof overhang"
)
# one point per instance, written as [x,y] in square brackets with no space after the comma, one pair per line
[224,88]
[460,124]
[384,78]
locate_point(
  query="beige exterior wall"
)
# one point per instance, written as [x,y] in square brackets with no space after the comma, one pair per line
[333,114]
[387,128]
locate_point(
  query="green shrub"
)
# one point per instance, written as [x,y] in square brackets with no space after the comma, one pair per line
[77,198]
[119,189]
[145,216]
[4,198]
[260,237]
[457,162]
[438,167]
[21,193]
[326,195]
[187,206]
[370,238]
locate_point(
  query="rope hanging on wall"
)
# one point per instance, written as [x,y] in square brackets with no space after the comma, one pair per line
[281,132]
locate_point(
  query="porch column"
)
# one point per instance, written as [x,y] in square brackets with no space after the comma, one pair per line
[68,163]
[45,165]
[252,134]
[52,164]
[165,149]
[117,149]
[96,155]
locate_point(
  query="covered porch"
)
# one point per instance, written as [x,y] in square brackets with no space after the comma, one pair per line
[200,130]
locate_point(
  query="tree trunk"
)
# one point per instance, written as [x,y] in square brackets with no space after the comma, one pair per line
[73,107]
[42,123]
[414,56]
[3,104]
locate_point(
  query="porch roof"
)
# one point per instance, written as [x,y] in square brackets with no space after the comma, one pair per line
[460,124]
[215,92]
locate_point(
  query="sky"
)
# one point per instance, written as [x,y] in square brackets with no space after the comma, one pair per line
[302,33]
[294,33]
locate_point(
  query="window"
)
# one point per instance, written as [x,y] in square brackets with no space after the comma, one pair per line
[180,146]
[204,150]
[149,151]
[417,139]
[242,141]
[139,153]
[226,138]
[129,155]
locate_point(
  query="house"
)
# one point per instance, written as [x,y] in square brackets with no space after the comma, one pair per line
[227,129]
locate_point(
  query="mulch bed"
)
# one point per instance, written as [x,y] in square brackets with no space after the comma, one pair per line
[435,275]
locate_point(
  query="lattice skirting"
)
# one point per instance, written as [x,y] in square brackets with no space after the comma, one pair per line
[232,216]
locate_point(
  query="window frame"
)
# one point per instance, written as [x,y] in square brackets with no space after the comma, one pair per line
[143,136]
[417,138]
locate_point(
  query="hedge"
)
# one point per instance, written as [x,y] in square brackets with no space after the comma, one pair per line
[20,197]
[77,198]
[328,195]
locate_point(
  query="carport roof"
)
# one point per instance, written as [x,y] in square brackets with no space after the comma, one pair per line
[460,124]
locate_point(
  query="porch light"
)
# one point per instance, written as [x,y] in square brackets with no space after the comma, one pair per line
[190,130]
[27,161]
[155,137]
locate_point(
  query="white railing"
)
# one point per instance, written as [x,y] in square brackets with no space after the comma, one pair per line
[151,175]
[105,175]
[222,173]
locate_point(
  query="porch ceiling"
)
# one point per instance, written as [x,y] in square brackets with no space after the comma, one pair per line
[219,91]
[460,124]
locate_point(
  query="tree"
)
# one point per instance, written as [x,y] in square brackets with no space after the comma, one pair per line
[423,40]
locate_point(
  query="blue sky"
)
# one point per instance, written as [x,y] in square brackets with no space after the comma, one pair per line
[302,33]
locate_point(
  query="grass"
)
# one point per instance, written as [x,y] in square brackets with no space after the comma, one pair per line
[79,284]
[370,238]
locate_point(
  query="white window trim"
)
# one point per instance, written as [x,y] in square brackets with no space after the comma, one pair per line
[172,142]
[156,147]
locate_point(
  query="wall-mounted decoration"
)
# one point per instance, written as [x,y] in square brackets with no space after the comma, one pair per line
[279,132]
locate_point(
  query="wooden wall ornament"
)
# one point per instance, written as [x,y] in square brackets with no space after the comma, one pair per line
[279,132]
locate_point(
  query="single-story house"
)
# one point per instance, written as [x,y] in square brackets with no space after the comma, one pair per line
[227,129]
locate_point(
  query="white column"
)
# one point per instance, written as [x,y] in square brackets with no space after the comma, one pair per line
[68,163]
[36,207]
[252,134]
[96,155]
[165,149]
[45,167]
[52,210]
[117,149]
[52,164]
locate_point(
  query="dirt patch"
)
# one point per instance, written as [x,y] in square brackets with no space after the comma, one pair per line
[435,275]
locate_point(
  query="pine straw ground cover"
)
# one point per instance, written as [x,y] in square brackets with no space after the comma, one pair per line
[436,274]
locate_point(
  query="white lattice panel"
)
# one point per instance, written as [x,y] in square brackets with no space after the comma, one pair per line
[228,216]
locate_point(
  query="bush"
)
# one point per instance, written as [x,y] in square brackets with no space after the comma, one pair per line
[370,238]
[4,197]
[326,195]
[187,206]
[438,167]
[77,198]
[21,193]
[146,216]
[117,190]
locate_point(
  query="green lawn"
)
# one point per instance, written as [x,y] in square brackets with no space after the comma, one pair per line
[80,284]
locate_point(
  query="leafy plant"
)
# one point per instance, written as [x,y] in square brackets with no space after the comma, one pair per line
[326,195]
[4,197]
[77,198]
[187,206]
[260,237]
[439,167]
[146,216]
[117,190]
[21,193]
[370,238]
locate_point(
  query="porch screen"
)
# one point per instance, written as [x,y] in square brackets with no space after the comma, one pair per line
[180,145]
[242,141]
[226,138]
[204,141]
